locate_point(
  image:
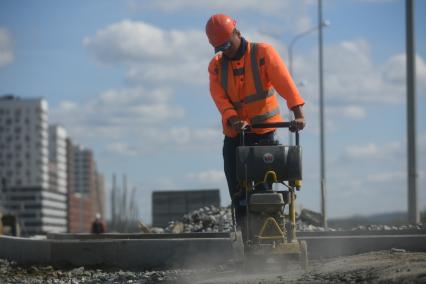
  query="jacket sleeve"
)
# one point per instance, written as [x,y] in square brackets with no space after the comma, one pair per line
[218,94]
[281,79]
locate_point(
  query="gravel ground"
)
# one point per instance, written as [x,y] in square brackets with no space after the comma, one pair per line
[12,273]
[395,266]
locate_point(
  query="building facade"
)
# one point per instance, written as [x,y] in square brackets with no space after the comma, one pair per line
[86,192]
[24,166]
[57,180]
[172,205]
[47,182]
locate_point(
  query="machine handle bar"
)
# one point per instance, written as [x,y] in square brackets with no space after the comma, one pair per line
[272,125]
[286,124]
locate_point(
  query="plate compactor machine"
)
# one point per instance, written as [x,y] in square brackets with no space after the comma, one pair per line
[268,226]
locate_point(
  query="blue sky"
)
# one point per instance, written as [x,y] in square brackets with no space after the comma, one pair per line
[129,80]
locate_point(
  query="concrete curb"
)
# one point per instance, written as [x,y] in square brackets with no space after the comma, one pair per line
[177,251]
[335,246]
[126,254]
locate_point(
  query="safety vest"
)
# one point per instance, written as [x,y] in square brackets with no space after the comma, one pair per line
[257,103]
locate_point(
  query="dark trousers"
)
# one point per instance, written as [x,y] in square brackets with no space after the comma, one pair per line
[229,160]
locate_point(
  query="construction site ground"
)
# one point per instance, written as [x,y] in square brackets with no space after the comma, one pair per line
[374,267]
[393,266]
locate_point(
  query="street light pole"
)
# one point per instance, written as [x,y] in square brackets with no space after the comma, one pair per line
[290,56]
[299,36]
[321,118]
[413,212]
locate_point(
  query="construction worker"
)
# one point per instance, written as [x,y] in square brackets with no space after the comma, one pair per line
[243,79]
[98,226]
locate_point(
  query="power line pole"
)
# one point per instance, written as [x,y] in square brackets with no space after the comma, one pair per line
[413,212]
[321,118]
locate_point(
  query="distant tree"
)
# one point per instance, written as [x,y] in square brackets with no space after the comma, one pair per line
[124,209]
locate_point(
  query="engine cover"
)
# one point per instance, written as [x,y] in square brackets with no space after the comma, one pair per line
[270,202]
[254,161]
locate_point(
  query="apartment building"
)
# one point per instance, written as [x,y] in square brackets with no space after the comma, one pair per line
[49,183]
[24,166]
[57,213]
[86,192]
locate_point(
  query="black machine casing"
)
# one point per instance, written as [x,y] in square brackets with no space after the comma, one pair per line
[254,161]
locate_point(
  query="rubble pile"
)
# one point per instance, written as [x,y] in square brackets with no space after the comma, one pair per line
[214,219]
[205,219]
[389,228]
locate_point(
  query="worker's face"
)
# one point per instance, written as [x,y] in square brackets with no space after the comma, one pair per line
[235,44]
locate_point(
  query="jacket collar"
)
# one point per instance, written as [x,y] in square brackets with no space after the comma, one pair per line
[241,50]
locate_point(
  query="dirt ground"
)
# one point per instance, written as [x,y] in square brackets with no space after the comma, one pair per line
[394,266]
[375,267]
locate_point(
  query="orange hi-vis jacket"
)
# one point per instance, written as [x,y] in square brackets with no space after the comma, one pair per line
[245,87]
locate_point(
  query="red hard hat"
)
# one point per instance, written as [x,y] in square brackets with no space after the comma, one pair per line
[219,29]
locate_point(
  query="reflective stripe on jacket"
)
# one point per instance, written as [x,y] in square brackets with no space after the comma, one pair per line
[245,87]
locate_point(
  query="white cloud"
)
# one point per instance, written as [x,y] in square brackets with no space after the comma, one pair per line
[395,71]
[121,148]
[387,177]
[271,6]
[209,176]
[372,152]
[129,41]
[297,17]
[151,54]
[115,113]
[376,1]
[6,50]
[350,76]
[184,134]
[368,150]
[133,122]
[347,111]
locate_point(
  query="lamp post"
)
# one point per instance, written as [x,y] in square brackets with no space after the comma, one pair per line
[413,211]
[322,24]
[321,118]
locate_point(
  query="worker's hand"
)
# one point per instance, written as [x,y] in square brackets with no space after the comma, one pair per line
[299,119]
[297,124]
[238,124]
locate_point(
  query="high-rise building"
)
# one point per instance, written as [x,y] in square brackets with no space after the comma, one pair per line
[24,166]
[86,193]
[57,178]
